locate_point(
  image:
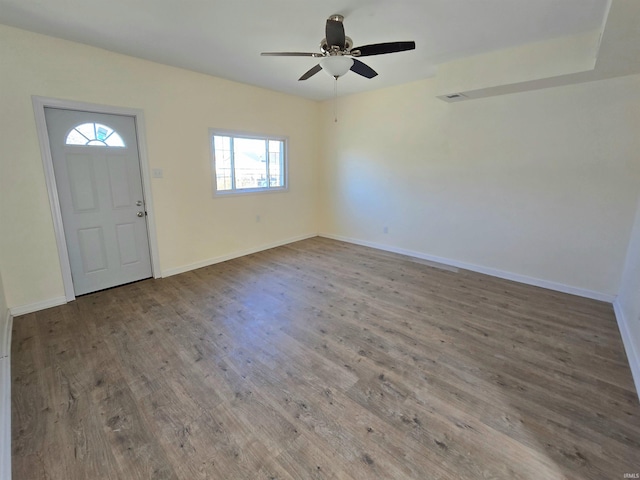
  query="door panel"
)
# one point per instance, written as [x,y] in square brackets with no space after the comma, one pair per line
[82,181]
[92,249]
[100,193]
[127,245]
[119,183]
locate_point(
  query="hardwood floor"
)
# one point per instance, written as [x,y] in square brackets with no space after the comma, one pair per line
[323,360]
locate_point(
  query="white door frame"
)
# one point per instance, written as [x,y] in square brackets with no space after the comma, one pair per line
[39,104]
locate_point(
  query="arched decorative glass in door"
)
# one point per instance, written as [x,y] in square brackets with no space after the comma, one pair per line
[94,134]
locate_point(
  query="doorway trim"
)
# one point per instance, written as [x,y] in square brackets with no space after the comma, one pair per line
[39,104]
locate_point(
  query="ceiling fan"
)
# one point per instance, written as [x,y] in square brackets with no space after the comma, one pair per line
[338,55]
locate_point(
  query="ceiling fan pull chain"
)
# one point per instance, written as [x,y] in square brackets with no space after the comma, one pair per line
[335,100]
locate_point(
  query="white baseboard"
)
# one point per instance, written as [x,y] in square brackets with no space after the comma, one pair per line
[35,307]
[5,396]
[236,254]
[558,287]
[633,351]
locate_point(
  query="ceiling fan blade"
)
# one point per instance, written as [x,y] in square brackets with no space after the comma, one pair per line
[363,69]
[382,48]
[335,34]
[290,54]
[311,72]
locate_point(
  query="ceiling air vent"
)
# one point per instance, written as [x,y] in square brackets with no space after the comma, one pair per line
[453,97]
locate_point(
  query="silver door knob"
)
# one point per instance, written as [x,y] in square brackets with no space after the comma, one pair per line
[140,214]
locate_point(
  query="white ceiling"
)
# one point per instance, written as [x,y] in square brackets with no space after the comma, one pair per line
[225,38]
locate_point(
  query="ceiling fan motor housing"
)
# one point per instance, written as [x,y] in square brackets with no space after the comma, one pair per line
[335,50]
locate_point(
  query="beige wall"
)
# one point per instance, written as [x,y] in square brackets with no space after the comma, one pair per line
[525,63]
[628,302]
[540,184]
[179,107]
[3,302]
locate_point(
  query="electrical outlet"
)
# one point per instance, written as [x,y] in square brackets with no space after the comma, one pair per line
[157,173]
[258,219]
[385,230]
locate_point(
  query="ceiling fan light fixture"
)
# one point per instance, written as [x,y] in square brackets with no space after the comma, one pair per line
[336,65]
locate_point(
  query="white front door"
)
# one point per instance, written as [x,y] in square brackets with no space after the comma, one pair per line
[97,172]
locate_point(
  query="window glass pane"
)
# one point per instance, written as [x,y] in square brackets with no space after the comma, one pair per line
[275,146]
[223,174]
[222,156]
[88,130]
[245,163]
[76,138]
[102,132]
[222,143]
[276,174]
[249,155]
[223,181]
[114,140]
[94,134]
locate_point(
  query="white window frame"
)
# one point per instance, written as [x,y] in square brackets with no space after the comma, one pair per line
[255,136]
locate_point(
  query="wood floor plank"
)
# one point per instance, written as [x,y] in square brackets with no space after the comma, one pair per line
[483,320]
[323,360]
[534,355]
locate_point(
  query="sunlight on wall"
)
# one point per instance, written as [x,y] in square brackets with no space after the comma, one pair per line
[540,184]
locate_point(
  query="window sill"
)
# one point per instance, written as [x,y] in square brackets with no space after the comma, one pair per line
[249,191]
